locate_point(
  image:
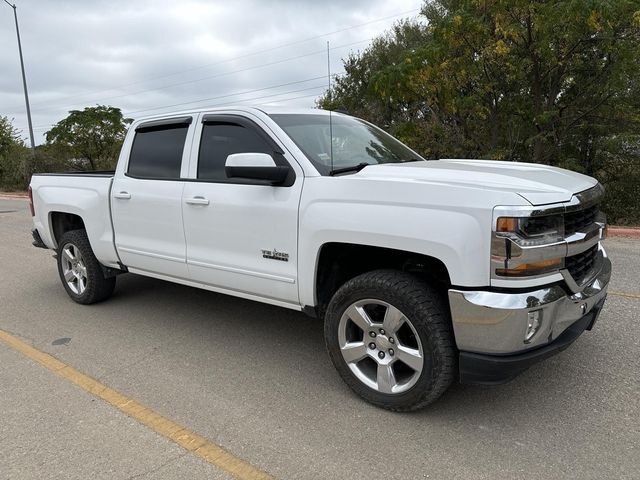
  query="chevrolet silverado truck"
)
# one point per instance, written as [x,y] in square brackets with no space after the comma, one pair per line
[424,271]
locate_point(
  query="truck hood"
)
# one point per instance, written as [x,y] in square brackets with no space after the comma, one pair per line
[538,184]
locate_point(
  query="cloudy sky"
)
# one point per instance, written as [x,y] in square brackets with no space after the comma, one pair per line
[152,56]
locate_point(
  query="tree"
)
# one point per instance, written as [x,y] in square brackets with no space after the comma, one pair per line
[9,136]
[548,81]
[93,135]
[511,79]
[355,90]
[13,152]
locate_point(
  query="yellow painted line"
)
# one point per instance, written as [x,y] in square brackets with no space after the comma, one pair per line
[625,294]
[197,444]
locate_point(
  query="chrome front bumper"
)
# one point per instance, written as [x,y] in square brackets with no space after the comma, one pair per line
[495,322]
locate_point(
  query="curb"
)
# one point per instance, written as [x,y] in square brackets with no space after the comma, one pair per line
[13,196]
[628,232]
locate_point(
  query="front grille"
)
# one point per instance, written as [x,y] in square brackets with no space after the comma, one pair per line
[577,221]
[581,264]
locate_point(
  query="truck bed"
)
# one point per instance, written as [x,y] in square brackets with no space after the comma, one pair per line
[83,194]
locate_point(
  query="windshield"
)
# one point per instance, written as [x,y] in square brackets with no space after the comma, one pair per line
[354,141]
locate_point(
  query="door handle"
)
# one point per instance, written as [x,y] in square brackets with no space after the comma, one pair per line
[122,195]
[197,201]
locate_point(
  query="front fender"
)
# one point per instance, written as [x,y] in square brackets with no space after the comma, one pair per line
[454,237]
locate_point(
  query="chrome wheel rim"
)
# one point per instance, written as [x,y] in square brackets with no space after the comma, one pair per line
[74,269]
[380,346]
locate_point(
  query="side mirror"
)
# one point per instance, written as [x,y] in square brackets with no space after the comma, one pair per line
[255,166]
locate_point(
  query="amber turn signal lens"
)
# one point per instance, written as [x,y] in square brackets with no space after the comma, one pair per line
[528,269]
[507,224]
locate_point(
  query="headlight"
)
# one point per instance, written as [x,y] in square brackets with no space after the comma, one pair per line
[525,246]
[531,231]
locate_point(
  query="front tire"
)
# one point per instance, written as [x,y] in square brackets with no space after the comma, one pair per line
[388,334]
[80,272]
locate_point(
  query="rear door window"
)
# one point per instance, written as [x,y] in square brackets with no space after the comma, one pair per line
[157,151]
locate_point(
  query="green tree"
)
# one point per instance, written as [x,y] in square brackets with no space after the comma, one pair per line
[13,151]
[548,81]
[9,136]
[355,90]
[93,135]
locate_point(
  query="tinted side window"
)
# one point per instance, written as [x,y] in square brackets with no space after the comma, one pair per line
[221,139]
[157,151]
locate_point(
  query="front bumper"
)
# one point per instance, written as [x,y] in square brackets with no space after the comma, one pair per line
[481,369]
[493,323]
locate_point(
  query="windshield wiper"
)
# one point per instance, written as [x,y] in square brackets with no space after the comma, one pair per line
[352,168]
[360,166]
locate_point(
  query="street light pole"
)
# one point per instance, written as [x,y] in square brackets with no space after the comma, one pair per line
[24,77]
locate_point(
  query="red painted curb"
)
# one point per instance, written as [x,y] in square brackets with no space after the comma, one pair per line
[628,232]
[13,197]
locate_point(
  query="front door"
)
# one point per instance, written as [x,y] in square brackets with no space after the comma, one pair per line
[241,234]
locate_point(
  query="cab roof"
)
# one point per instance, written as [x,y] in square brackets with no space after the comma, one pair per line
[249,109]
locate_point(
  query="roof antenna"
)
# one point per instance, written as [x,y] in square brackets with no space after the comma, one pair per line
[330,102]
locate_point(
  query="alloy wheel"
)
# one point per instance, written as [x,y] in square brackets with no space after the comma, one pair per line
[74,269]
[380,346]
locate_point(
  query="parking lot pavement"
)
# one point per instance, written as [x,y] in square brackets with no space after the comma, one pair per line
[255,379]
[51,429]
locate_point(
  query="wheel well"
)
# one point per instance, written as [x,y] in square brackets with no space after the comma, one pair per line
[62,222]
[340,262]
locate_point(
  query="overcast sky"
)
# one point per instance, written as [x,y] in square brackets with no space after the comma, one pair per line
[141,55]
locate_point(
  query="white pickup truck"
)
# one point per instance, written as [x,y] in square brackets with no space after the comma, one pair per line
[424,272]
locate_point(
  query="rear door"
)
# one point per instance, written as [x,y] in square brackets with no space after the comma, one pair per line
[146,198]
[242,235]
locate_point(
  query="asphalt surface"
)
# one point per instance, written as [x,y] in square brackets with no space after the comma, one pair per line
[256,380]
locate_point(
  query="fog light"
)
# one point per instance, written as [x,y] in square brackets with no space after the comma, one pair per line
[534,321]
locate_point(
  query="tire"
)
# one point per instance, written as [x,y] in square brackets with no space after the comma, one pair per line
[418,325]
[80,272]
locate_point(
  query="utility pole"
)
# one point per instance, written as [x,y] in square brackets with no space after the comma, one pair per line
[24,77]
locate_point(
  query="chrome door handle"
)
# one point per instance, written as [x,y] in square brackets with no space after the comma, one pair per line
[197,201]
[122,195]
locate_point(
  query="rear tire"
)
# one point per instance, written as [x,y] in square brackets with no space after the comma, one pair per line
[80,272]
[389,336]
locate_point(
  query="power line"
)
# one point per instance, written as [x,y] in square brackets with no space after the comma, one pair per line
[234,102]
[218,75]
[292,98]
[320,87]
[225,96]
[42,127]
[277,47]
